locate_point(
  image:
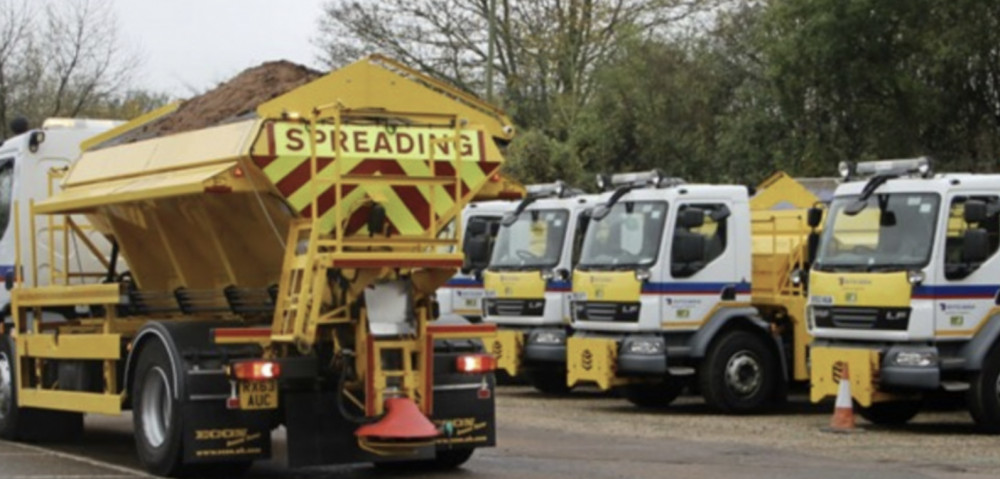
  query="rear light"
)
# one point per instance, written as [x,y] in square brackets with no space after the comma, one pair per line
[475,363]
[256,370]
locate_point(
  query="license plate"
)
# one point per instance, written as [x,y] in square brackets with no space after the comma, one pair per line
[259,394]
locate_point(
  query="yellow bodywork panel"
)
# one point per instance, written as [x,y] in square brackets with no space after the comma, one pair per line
[182,151]
[70,346]
[73,401]
[507,347]
[781,189]
[190,181]
[57,295]
[592,360]
[884,290]
[514,284]
[606,286]
[828,366]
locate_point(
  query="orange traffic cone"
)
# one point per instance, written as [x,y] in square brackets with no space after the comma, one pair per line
[843,411]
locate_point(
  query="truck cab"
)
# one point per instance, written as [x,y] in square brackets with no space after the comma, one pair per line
[528,283]
[462,295]
[26,163]
[904,290]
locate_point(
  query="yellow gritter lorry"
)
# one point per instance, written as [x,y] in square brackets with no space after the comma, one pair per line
[276,268]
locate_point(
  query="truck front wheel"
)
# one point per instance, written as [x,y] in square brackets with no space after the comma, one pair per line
[984,393]
[653,395]
[739,373]
[549,380]
[156,412]
[892,413]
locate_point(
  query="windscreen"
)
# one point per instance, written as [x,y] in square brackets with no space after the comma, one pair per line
[886,232]
[533,241]
[629,236]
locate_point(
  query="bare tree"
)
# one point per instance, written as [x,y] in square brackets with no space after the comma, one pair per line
[61,58]
[87,61]
[15,20]
[546,50]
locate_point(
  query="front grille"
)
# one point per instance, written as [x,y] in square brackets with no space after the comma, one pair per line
[606,311]
[514,307]
[844,317]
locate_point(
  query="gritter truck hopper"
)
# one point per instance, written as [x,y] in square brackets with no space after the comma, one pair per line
[275,268]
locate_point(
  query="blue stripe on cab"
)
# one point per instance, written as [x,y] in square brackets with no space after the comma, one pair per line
[463,283]
[977,291]
[693,288]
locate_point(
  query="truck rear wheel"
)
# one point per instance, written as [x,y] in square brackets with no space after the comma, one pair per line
[892,413]
[445,460]
[739,373]
[653,395]
[156,412]
[984,393]
[29,424]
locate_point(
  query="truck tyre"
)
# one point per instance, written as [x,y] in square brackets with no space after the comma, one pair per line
[156,412]
[29,424]
[445,460]
[653,395]
[549,380]
[739,373]
[892,413]
[984,393]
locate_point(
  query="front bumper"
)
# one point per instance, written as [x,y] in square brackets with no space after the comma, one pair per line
[608,362]
[517,349]
[874,374]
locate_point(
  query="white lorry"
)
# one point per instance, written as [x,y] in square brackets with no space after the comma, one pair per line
[26,163]
[904,290]
[462,295]
[528,283]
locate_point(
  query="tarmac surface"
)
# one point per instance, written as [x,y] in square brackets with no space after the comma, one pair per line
[591,435]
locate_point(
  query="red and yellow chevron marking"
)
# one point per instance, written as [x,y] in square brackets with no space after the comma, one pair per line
[375,151]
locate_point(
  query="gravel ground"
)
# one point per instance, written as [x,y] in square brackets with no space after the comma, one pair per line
[940,440]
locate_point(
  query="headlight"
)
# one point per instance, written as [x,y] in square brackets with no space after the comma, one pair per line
[796,277]
[645,346]
[641,274]
[915,277]
[921,359]
[549,337]
[548,275]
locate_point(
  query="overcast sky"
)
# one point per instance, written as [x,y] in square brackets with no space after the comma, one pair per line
[195,44]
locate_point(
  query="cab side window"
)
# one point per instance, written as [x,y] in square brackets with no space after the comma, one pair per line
[973,234]
[480,232]
[582,222]
[6,194]
[699,237]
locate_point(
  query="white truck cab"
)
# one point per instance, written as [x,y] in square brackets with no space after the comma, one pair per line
[462,295]
[25,163]
[904,290]
[528,283]
[662,294]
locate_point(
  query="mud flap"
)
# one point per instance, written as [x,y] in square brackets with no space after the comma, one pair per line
[828,365]
[592,360]
[464,404]
[214,433]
